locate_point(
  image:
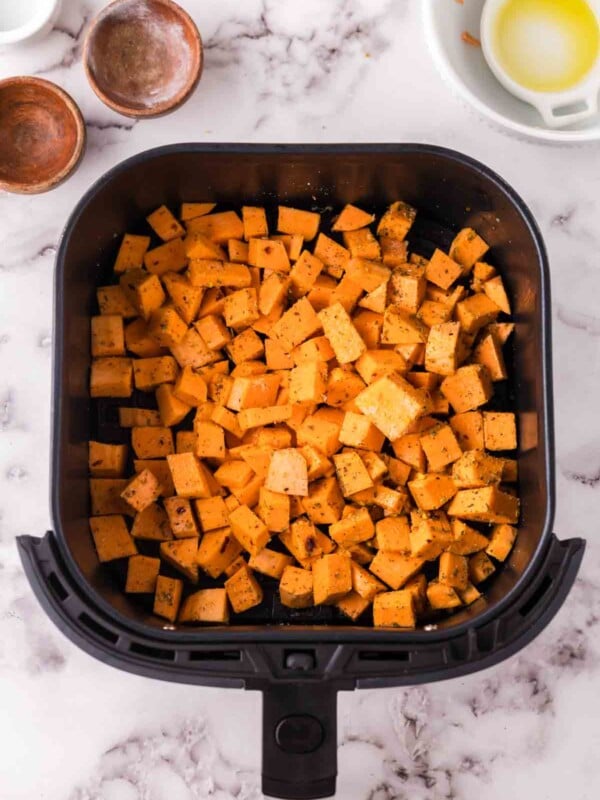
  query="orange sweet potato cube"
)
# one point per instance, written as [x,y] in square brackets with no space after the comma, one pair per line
[394,610]
[304,273]
[212,513]
[107,460]
[431,491]
[152,442]
[406,289]
[489,353]
[444,349]
[142,573]
[160,469]
[393,404]
[253,392]
[333,255]
[352,529]
[358,431]
[111,537]
[397,221]
[164,224]
[250,531]
[469,388]
[189,477]
[143,291]
[324,503]
[341,333]
[477,468]
[441,596]
[209,273]
[112,300]
[167,597]
[304,541]
[181,555]
[467,248]
[332,578]
[441,447]
[148,373]
[241,308]
[362,244]
[131,252]
[172,409]
[111,377]
[374,364]
[297,324]
[501,541]
[296,587]
[218,227]
[487,504]
[207,605]
[166,327]
[152,524]
[453,571]
[395,568]
[393,534]
[402,328]
[246,346]
[190,210]
[142,490]
[268,254]
[167,257]
[108,338]
[218,549]
[476,311]
[353,605]
[499,430]
[243,590]
[480,567]
[288,472]
[352,218]
[255,222]
[465,539]
[308,383]
[274,509]
[181,518]
[351,473]
[442,270]
[364,583]
[139,341]
[190,388]
[294,220]
[468,428]
[270,562]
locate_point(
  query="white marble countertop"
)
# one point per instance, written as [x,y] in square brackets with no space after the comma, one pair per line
[74,729]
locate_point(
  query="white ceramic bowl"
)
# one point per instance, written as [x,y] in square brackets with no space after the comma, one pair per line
[21,22]
[465,69]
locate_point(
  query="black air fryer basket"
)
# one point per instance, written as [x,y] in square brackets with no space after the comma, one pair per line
[300,660]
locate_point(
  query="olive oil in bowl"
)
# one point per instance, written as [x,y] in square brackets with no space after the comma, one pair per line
[546,45]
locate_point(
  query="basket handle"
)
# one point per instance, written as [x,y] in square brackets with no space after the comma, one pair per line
[299,759]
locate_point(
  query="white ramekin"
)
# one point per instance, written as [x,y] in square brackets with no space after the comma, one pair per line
[39,23]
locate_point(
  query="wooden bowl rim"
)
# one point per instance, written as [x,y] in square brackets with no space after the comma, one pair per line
[165,106]
[21,187]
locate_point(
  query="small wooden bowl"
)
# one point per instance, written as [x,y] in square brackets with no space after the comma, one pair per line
[42,135]
[143,58]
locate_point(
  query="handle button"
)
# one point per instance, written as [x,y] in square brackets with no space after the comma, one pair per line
[299,733]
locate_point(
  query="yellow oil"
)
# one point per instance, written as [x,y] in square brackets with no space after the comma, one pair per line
[547,45]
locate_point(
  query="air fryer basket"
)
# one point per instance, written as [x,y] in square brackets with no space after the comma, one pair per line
[300,660]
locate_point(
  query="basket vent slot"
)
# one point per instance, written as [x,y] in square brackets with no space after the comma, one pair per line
[535,598]
[57,587]
[98,629]
[215,655]
[152,652]
[384,655]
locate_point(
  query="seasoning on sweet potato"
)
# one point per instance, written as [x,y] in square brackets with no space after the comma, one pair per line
[334,384]
[111,537]
[142,574]
[167,597]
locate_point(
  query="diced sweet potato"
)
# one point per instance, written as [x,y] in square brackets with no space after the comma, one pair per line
[243,590]
[288,473]
[429,534]
[480,567]
[441,447]
[108,337]
[501,541]
[143,490]
[352,529]
[250,531]
[167,597]
[296,587]
[152,442]
[499,430]
[111,538]
[131,252]
[142,574]
[218,549]
[152,524]
[192,210]
[270,562]
[393,534]
[466,540]
[392,404]
[189,477]
[467,248]
[218,227]
[351,473]
[397,221]
[444,350]
[111,377]
[113,300]
[454,571]
[394,610]
[143,291]
[487,504]
[207,605]
[439,596]
[477,468]
[149,373]
[294,220]
[442,270]
[181,518]
[332,578]
[469,388]
[107,460]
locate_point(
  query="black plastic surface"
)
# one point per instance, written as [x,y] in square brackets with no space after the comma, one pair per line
[86,600]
